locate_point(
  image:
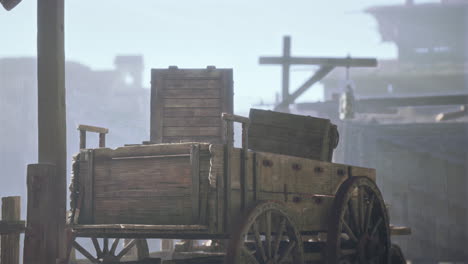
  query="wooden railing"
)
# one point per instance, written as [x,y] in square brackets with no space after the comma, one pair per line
[10,228]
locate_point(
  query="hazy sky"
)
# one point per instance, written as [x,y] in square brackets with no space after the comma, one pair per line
[224,33]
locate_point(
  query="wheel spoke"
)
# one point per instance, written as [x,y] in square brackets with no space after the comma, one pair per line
[379,222]
[279,236]
[369,213]
[349,231]
[127,248]
[84,252]
[268,234]
[353,216]
[96,247]
[361,208]
[249,255]
[114,246]
[105,247]
[287,252]
[258,241]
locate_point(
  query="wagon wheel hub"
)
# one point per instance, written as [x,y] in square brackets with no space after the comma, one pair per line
[368,248]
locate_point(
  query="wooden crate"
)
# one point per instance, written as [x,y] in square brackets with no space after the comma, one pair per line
[293,135]
[186,104]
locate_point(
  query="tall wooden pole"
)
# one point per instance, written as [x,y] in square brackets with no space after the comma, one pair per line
[285,70]
[51,101]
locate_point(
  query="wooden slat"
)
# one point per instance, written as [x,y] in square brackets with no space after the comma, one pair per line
[192,122]
[171,103]
[191,131]
[193,112]
[195,162]
[177,82]
[144,191]
[192,93]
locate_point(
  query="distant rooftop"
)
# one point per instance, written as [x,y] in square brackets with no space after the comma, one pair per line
[425,33]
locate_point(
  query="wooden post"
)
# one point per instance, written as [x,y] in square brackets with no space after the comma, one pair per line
[40,242]
[11,210]
[51,113]
[102,140]
[285,69]
[82,139]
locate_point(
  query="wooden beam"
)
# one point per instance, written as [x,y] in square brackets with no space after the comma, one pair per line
[319,75]
[11,227]
[11,211]
[95,129]
[324,61]
[52,112]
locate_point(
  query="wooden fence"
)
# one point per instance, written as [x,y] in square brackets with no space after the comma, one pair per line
[10,228]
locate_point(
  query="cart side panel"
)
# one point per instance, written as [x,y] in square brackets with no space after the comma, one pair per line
[155,184]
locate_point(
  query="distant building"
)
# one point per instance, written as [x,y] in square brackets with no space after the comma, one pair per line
[421,162]
[114,98]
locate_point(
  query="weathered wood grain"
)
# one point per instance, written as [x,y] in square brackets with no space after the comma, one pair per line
[192,93]
[10,244]
[191,103]
[189,98]
[195,195]
[294,135]
[192,122]
[191,131]
[40,243]
[193,112]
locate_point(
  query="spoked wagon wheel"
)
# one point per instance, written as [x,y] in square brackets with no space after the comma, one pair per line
[106,253]
[358,230]
[267,235]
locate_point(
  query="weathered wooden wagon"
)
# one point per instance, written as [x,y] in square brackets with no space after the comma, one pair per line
[277,199]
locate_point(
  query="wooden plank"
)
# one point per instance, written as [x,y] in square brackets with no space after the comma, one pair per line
[227,175]
[172,103]
[40,243]
[195,162]
[300,175]
[87,186]
[191,131]
[288,134]
[283,147]
[192,93]
[184,82]
[157,106]
[12,227]
[204,171]
[193,112]
[100,130]
[144,191]
[198,139]
[227,93]
[192,121]
[284,120]
[10,244]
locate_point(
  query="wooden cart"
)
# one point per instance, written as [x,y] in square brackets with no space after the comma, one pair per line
[274,200]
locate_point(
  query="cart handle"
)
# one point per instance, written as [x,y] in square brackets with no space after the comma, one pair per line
[100,130]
